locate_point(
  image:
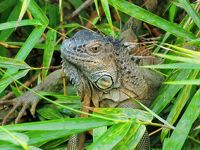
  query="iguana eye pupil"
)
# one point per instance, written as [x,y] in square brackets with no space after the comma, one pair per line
[104,82]
[95,49]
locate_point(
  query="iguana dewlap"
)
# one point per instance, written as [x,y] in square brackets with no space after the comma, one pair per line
[105,65]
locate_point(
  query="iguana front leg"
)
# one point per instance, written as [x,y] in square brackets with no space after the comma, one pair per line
[29,100]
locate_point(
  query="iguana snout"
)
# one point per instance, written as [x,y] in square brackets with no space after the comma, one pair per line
[92,54]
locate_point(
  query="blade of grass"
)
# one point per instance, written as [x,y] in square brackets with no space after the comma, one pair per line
[61,124]
[16,75]
[183,127]
[167,92]
[20,141]
[146,16]
[179,58]
[25,4]
[184,50]
[190,10]
[10,62]
[12,24]
[37,12]
[180,102]
[174,66]
[6,4]
[132,138]
[184,82]
[110,138]
[48,51]
[106,9]
[4,35]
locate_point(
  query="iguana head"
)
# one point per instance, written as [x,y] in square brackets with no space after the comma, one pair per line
[92,55]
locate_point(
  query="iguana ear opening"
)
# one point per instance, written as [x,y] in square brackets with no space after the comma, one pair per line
[104,82]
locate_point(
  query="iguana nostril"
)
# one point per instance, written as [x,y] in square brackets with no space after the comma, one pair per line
[104,82]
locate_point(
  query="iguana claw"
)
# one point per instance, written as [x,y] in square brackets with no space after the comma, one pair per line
[16,103]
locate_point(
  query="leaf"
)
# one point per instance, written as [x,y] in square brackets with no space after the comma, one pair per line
[179,104]
[146,16]
[179,135]
[15,138]
[13,63]
[125,113]
[37,12]
[25,4]
[12,24]
[62,98]
[48,51]
[179,58]
[61,124]
[174,66]
[110,138]
[184,82]
[5,4]
[132,138]
[49,113]
[13,16]
[185,50]
[167,92]
[106,9]
[44,131]
[8,138]
[98,132]
[15,76]
[191,12]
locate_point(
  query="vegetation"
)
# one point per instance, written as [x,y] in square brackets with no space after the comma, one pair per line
[31,32]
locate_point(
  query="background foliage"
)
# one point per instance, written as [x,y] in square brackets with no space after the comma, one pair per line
[31,32]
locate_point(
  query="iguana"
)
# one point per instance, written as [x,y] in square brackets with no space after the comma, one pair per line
[102,67]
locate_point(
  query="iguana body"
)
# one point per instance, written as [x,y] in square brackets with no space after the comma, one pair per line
[103,67]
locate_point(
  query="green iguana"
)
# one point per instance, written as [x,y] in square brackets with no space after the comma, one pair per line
[104,68]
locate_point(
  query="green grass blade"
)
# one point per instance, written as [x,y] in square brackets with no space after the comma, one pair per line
[14,24]
[61,124]
[25,4]
[179,58]
[106,9]
[184,50]
[146,16]
[180,102]
[190,10]
[174,66]
[6,4]
[18,75]
[15,138]
[48,51]
[184,82]
[125,113]
[37,12]
[110,138]
[13,63]
[98,132]
[97,7]
[132,138]
[42,132]
[183,127]
[4,35]
[167,92]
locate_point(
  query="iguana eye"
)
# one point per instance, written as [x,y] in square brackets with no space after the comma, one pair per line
[95,49]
